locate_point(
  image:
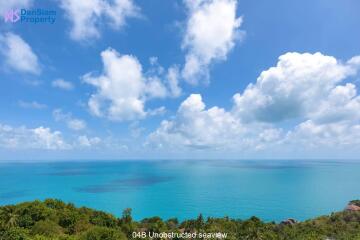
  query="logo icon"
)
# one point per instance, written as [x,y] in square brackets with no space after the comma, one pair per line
[12,16]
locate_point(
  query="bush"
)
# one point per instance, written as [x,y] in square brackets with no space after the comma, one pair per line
[47,228]
[14,233]
[102,219]
[103,233]
[56,220]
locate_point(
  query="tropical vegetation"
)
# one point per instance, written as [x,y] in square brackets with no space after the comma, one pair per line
[55,220]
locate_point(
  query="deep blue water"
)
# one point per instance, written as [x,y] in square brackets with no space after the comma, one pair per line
[271,190]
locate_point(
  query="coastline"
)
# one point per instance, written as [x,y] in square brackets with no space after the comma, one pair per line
[56,220]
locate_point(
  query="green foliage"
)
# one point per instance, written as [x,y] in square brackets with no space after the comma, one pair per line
[56,220]
[68,219]
[14,233]
[103,233]
[103,219]
[154,224]
[126,223]
[47,228]
[172,223]
[355,202]
[8,217]
[126,216]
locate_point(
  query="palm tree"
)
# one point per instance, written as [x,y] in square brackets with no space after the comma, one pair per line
[9,217]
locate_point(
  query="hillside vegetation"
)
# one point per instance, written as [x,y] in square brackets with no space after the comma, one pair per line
[55,220]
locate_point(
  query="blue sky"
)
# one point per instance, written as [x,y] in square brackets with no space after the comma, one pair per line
[129,79]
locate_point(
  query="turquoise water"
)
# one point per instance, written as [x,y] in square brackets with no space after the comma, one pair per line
[271,190]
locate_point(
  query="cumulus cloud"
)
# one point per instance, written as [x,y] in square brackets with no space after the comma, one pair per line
[342,104]
[71,122]
[123,88]
[31,105]
[311,92]
[197,127]
[293,88]
[17,54]
[212,30]
[41,138]
[88,16]
[31,138]
[120,88]
[13,4]
[62,84]
[316,136]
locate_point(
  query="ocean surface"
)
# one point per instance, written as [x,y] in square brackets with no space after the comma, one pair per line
[271,190]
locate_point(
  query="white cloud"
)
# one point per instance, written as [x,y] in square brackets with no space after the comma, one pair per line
[71,122]
[41,138]
[155,88]
[120,88]
[293,89]
[168,80]
[211,32]
[18,54]
[31,105]
[342,104]
[84,141]
[62,84]
[173,77]
[157,111]
[87,17]
[31,138]
[328,136]
[13,4]
[123,88]
[308,91]
[76,124]
[197,127]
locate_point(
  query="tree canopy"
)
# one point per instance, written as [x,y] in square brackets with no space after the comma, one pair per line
[55,220]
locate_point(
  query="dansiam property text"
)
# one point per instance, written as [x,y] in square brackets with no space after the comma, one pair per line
[32,16]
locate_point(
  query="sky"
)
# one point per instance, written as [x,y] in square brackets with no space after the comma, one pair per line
[181,79]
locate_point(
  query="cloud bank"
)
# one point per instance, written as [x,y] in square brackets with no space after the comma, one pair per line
[311,93]
[31,138]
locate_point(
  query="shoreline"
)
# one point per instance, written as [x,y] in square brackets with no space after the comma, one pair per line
[53,219]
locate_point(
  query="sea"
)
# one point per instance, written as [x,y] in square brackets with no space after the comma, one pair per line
[268,189]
